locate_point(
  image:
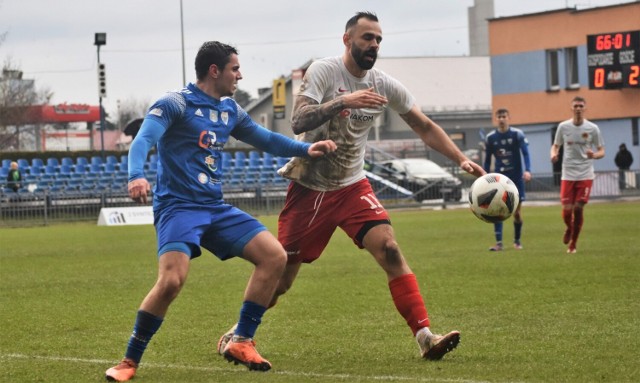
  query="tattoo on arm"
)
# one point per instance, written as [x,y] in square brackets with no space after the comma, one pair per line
[308,114]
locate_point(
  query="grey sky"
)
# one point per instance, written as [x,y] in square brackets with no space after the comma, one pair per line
[52,41]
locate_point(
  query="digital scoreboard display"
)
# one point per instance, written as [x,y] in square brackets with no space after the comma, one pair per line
[614,60]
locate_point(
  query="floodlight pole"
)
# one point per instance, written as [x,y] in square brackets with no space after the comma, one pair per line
[184,77]
[101,39]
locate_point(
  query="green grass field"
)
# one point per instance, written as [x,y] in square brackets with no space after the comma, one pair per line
[69,293]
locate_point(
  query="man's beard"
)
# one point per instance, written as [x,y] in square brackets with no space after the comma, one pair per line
[360,55]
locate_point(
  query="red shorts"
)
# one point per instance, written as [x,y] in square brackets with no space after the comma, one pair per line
[309,218]
[572,192]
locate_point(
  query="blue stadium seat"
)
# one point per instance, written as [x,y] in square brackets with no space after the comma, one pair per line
[23,164]
[66,161]
[95,168]
[80,169]
[37,162]
[110,168]
[6,163]
[52,161]
[82,161]
[4,173]
[240,159]
[50,170]
[112,160]
[66,169]
[281,161]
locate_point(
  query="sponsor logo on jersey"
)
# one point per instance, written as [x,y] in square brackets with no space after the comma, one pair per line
[203,178]
[361,118]
[211,163]
[199,113]
[207,139]
[213,115]
[341,90]
[156,112]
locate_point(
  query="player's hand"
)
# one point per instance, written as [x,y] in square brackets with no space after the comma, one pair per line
[365,98]
[472,168]
[526,176]
[139,189]
[590,153]
[554,158]
[321,148]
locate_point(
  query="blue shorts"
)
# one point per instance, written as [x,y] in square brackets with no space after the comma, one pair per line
[519,182]
[222,229]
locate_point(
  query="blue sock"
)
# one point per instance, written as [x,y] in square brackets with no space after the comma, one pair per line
[517,228]
[250,317]
[145,327]
[497,229]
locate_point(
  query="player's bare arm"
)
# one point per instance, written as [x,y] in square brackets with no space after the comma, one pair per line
[598,154]
[308,114]
[435,137]
[555,149]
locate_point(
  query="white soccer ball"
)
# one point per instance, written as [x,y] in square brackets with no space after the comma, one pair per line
[493,197]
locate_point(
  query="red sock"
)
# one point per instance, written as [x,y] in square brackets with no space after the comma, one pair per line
[406,296]
[577,224]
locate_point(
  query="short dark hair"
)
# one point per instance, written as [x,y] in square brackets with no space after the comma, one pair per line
[354,20]
[502,111]
[579,99]
[212,52]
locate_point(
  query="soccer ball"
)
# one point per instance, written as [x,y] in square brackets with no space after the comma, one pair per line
[493,197]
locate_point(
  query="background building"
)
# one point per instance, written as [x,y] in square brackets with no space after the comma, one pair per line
[539,63]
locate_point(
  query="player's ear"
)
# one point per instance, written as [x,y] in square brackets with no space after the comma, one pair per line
[213,70]
[346,39]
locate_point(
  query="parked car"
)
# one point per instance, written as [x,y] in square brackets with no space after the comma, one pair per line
[426,179]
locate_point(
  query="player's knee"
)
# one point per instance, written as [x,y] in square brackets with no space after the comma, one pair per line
[170,286]
[391,252]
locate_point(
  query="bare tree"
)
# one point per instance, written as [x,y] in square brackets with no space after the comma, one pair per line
[242,97]
[17,98]
[131,109]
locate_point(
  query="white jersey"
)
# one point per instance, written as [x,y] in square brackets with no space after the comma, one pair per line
[576,141]
[325,80]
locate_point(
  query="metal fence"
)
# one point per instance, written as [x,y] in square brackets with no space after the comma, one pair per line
[44,207]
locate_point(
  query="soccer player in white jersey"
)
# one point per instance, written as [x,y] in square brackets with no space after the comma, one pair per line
[340,98]
[580,137]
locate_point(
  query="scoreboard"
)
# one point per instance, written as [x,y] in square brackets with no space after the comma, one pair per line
[614,60]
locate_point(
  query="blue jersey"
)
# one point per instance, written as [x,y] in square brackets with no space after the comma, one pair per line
[191,129]
[506,148]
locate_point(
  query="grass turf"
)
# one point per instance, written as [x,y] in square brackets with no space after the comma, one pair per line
[68,296]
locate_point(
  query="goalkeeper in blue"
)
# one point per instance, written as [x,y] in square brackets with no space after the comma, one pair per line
[509,149]
[190,128]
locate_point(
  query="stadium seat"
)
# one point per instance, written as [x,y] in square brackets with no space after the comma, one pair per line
[240,159]
[281,161]
[112,160]
[95,168]
[37,162]
[82,161]
[6,163]
[66,169]
[52,161]
[23,164]
[50,170]
[110,168]
[4,173]
[67,161]
[80,169]
[267,160]
[97,160]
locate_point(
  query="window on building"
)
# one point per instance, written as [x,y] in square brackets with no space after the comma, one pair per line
[571,62]
[553,78]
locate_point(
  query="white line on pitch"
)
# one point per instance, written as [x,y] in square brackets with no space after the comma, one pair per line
[347,377]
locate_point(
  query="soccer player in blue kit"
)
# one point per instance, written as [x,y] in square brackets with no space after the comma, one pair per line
[506,145]
[190,128]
